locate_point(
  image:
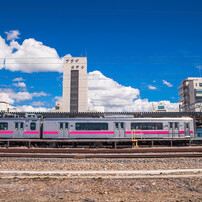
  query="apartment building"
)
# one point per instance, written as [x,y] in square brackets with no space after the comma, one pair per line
[191,92]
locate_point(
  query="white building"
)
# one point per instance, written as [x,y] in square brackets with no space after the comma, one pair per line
[3,106]
[75,85]
[191,92]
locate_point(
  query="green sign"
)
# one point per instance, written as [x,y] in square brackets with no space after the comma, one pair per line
[160,107]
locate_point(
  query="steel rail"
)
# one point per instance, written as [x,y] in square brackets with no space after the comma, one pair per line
[101,151]
[81,156]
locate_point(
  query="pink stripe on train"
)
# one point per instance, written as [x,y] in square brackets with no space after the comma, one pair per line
[90,132]
[50,132]
[31,132]
[6,132]
[182,131]
[147,132]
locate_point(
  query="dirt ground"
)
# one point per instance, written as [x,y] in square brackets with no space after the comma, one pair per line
[100,188]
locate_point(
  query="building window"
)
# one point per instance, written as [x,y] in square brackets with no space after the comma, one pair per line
[147,126]
[3,126]
[91,126]
[32,126]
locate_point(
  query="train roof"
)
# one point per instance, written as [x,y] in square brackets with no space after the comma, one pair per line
[19,119]
[114,119]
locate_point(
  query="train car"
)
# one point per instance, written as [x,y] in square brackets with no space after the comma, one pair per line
[62,128]
[19,128]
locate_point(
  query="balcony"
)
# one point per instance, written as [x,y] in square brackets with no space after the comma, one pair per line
[180,87]
[181,99]
[181,92]
[198,93]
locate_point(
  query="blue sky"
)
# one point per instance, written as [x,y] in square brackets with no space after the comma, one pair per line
[118,38]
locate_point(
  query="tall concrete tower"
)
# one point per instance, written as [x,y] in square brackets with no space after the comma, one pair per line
[75,85]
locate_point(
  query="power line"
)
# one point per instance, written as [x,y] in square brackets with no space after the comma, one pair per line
[135,56]
[104,10]
[114,63]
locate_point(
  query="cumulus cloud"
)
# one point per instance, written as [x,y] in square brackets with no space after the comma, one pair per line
[29,108]
[18,79]
[12,34]
[34,56]
[167,83]
[9,96]
[20,84]
[58,98]
[5,51]
[5,97]
[107,93]
[151,87]
[30,56]
[38,104]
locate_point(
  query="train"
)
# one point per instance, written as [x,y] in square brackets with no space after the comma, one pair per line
[96,128]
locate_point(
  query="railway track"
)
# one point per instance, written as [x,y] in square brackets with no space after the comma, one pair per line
[103,153]
[80,156]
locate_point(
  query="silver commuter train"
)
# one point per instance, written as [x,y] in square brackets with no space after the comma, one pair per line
[74,128]
[22,128]
[117,128]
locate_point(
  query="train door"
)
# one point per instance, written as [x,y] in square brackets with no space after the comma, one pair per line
[63,130]
[187,129]
[174,129]
[19,129]
[119,129]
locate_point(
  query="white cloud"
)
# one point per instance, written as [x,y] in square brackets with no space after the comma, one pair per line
[9,96]
[38,104]
[58,98]
[33,56]
[5,51]
[12,34]
[5,97]
[39,94]
[151,87]
[29,108]
[167,83]
[18,79]
[20,84]
[107,93]
[30,56]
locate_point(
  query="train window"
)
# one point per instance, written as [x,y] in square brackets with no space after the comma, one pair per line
[147,126]
[122,125]
[176,125]
[21,125]
[66,126]
[16,125]
[171,125]
[61,126]
[186,125]
[3,126]
[91,126]
[117,125]
[32,126]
